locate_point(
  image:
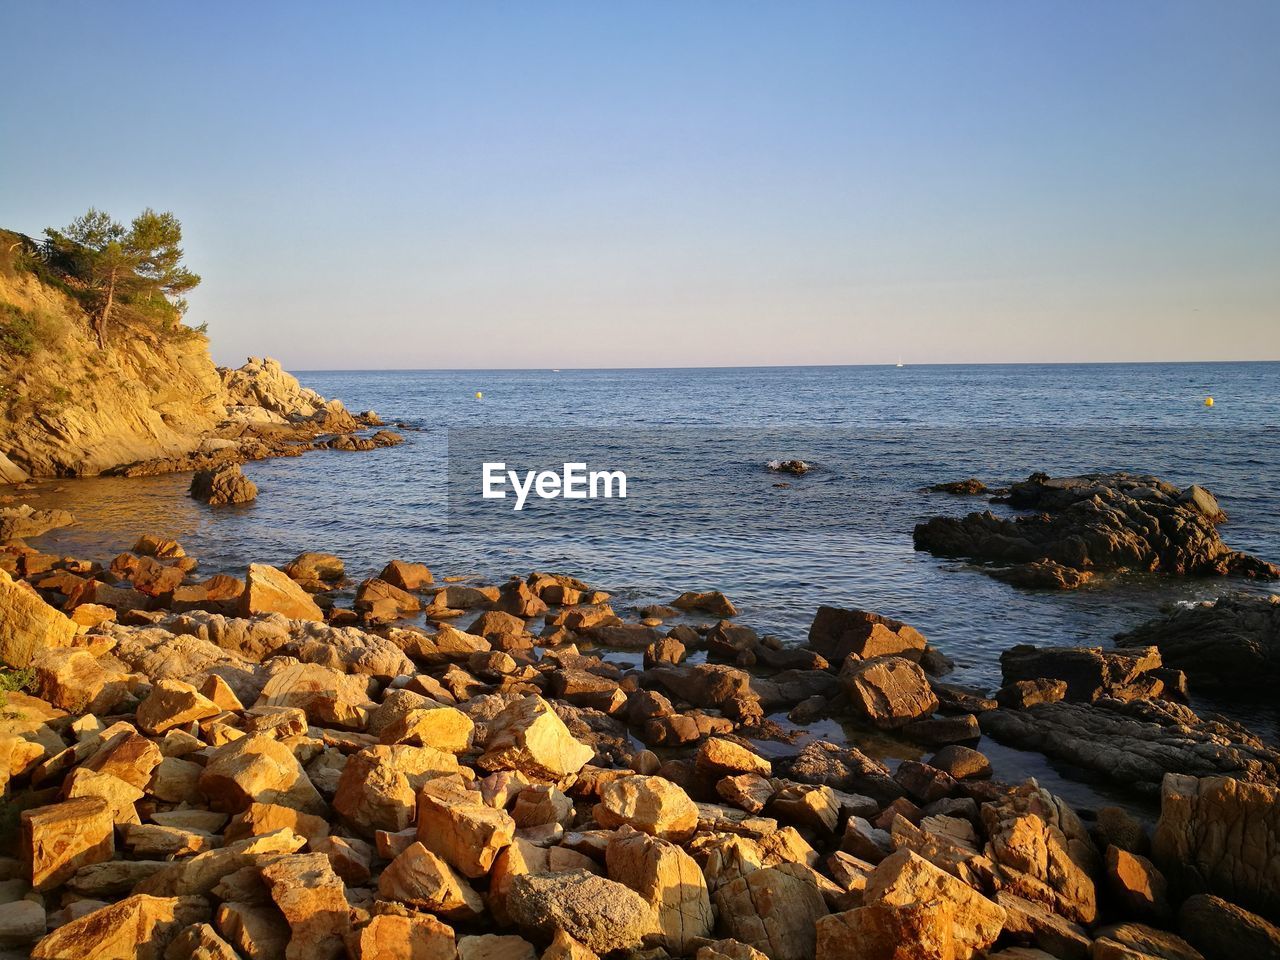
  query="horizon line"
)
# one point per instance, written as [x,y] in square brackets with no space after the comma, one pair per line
[783,366]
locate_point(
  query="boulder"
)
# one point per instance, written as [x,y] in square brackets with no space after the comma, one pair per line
[421,879]
[432,725]
[889,931]
[318,569]
[905,878]
[200,942]
[221,485]
[378,788]
[173,703]
[836,634]
[774,910]
[1230,644]
[653,805]
[1089,672]
[718,757]
[713,603]
[23,521]
[1136,941]
[888,691]
[28,625]
[313,900]
[528,736]
[669,879]
[269,590]
[258,769]
[329,697]
[418,937]
[406,576]
[1137,886]
[139,927]
[77,681]
[1044,851]
[600,914]
[1222,836]
[1224,931]
[456,824]
[59,839]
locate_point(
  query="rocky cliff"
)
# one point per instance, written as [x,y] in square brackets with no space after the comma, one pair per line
[151,399]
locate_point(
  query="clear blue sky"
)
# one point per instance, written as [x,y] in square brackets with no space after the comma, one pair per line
[685,183]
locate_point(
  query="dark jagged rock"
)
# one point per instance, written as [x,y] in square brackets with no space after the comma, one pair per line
[1098,522]
[1233,641]
[1089,672]
[1223,931]
[1136,743]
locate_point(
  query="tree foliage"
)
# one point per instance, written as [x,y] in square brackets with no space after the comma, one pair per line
[138,268]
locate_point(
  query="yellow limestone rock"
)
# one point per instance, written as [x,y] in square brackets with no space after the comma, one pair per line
[59,839]
[268,590]
[905,878]
[653,805]
[258,769]
[774,910]
[422,879]
[313,899]
[419,937]
[454,823]
[173,703]
[669,879]
[529,737]
[28,624]
[139,927]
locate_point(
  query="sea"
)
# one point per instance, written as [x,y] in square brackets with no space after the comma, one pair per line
[703,509]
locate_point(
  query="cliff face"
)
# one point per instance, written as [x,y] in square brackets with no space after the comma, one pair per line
[73,408]
[70,408]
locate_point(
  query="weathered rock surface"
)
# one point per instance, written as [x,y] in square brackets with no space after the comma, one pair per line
[222,485]
[906,878]
[1221,836]
[837,633]
[1232,643]
[653,805]
[1098,522]
[140,927]
[600,914]
[269,590]
[528,736]
[889,691]
[1224,931]
[669,879]
[774,910]
[28,624]
[1135,743]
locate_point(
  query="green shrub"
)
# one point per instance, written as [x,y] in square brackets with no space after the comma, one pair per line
[18,330]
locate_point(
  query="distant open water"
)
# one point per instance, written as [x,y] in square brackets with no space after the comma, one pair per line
[702,511]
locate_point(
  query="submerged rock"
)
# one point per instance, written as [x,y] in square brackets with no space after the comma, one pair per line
[23,521]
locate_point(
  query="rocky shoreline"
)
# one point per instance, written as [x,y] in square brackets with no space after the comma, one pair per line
[292,763]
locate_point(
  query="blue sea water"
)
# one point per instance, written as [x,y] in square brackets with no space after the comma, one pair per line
[702,510]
